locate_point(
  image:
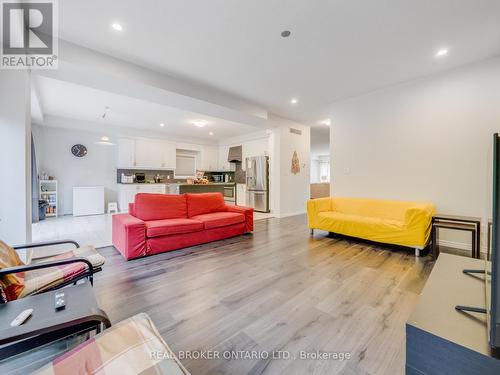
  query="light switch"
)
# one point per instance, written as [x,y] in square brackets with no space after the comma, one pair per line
[347,170]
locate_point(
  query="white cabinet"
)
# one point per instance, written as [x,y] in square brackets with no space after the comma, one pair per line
[126,153]
[168,155]
[223,164]
[241,194]
[209,155]
[127,192]
[146,153]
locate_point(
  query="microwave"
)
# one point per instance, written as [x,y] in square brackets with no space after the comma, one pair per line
[218,177]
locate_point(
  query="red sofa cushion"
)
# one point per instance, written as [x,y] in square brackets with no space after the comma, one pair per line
[199,204]
[166,227]
[159,206]
[220,219]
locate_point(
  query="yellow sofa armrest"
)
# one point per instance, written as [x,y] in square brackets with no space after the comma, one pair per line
[420,215]
[315,206]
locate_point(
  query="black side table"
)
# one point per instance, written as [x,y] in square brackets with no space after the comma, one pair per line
[463,223]
[45,325]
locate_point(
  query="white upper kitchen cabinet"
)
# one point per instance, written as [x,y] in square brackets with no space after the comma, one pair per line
[223,164]
[209,158]
[148,153]
[126,153]
[168,155]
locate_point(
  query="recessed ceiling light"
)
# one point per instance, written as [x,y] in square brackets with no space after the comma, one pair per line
[199,123]
[442,52]
[294,101]
[162,124]
[105,141]
[117,27]
[211,133]
[285,33]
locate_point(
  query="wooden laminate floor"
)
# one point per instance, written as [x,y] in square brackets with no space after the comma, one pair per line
[276,290]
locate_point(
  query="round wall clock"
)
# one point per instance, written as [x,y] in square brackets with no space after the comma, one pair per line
[79,150]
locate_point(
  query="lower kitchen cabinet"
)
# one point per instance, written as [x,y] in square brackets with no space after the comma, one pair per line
[127,192]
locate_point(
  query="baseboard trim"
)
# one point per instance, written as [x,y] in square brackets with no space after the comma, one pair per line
[460,246]
[291,214]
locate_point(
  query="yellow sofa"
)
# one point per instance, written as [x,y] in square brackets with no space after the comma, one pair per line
[391,222]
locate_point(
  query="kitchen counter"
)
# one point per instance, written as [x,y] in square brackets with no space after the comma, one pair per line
[146,183]
[210,183]
[178,183]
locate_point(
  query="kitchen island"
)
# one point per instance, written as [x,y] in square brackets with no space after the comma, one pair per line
[228,190]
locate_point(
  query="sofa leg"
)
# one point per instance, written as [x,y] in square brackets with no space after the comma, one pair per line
[312,232]
[417,252]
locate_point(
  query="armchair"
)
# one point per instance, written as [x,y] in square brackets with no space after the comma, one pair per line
[47,273]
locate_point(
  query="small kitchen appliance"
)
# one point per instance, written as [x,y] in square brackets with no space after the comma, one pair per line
[140,177]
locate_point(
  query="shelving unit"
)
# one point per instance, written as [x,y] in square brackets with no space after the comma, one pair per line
[48,191]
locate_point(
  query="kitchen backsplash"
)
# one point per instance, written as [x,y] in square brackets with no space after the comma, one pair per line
[168,175]
[240,174]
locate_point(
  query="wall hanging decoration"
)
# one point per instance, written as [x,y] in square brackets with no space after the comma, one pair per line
[295,163]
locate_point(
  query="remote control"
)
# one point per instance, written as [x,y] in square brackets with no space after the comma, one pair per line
[21,318]
[60,301]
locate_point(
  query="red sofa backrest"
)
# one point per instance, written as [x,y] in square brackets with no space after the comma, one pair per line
[159,206]
[199,204]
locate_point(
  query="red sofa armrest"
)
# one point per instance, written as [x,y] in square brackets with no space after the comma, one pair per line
[129,235]
[131,209]
[247,211]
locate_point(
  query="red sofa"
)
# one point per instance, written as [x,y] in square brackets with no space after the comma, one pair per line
[158,222]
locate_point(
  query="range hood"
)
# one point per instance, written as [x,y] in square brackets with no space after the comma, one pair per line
[235,154]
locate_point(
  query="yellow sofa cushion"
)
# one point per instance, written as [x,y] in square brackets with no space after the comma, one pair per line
[385,221]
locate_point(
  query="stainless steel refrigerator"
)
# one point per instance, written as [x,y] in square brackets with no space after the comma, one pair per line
[257,177]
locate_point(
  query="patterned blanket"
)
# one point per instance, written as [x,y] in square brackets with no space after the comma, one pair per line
[132,346]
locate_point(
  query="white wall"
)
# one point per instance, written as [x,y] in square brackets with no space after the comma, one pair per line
[291,191]
[426,140]
[15,157]
[320,141]
[98,167]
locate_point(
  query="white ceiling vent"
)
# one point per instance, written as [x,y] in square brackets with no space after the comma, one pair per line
[295,131]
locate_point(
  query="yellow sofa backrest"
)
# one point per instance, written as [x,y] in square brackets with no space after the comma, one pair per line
[383,209]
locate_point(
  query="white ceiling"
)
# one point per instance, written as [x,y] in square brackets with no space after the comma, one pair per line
[71,101]
[337,48]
